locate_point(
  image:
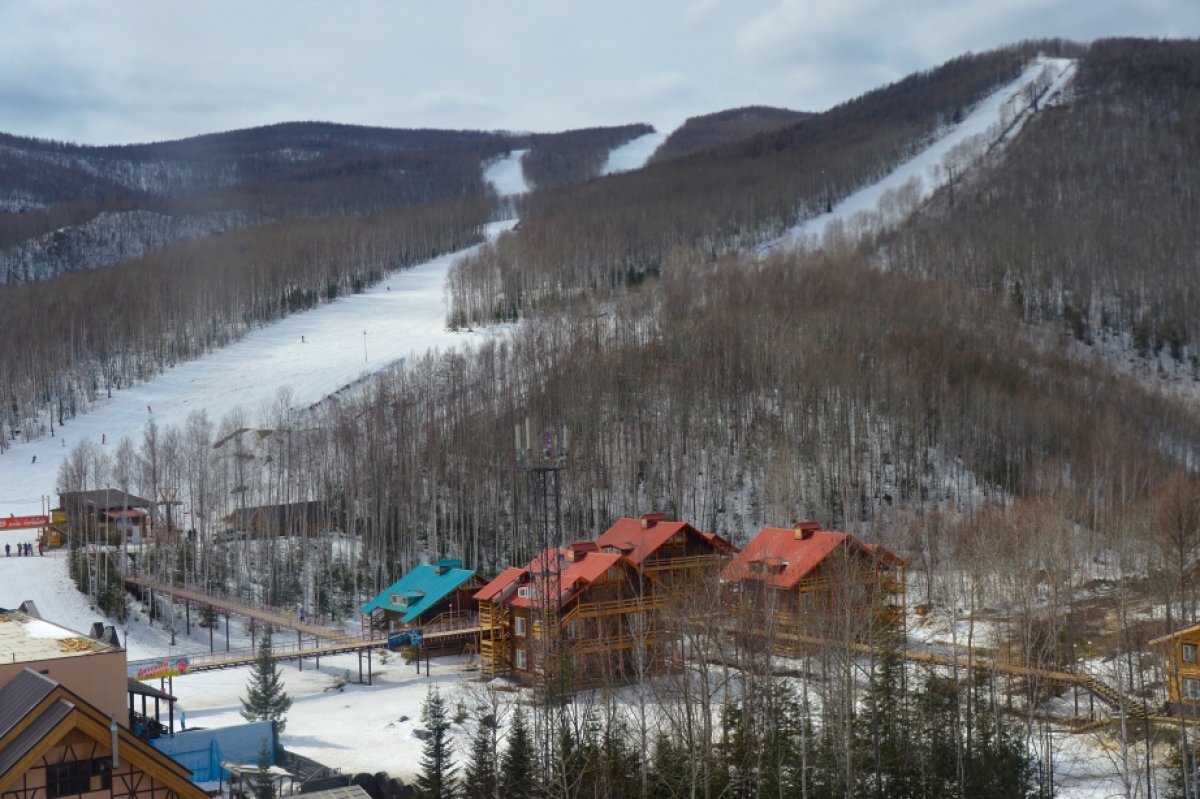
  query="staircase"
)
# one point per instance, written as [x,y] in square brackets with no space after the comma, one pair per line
[495,624]
[1113,698]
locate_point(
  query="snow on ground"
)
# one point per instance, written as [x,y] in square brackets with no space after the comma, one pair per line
[313,353]
[993,121]
[507,175]
[633,154]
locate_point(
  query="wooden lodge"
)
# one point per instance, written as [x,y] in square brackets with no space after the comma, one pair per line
[592,609]
[432,598]
[290,518]
[674,553]
[1181,655]
[109,515]
[793,585]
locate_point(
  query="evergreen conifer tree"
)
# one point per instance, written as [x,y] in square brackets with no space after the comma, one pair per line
[261,785]
[437,777]
[517,778]
[265,698]
[480,778]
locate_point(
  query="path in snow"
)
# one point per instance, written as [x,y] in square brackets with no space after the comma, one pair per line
[633,154]
[507,175]
[994,121]
[313,353]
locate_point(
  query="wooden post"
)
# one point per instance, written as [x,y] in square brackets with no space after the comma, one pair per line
[226,632]
[187,612]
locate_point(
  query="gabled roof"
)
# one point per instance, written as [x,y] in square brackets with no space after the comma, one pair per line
[638,539]
[788,554]
[552,573]
[499,583]
[423,587]
[48,712]
[19,696]
[1186,631]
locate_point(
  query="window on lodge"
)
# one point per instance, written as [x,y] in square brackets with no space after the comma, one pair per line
[1191,689]
[1189,653]
[521,662]
[519,625]
[78,776]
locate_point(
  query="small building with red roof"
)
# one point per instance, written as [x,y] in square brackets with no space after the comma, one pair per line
[789,583]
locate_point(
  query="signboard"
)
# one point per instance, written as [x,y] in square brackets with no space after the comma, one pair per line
[158,669]
[21,522]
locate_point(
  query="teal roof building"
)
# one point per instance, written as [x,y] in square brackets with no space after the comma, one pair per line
[426,588]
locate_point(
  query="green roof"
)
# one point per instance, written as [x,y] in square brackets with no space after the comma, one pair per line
[421,589]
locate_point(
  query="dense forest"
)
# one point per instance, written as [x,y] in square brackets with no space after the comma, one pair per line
[710,131]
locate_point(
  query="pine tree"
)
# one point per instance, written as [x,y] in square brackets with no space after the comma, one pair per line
[261,785]
[480,779]
[436,780]
[265,697]
[517,778]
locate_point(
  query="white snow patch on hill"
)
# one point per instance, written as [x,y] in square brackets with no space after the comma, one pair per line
[633,154]
[993,122]
[507,175]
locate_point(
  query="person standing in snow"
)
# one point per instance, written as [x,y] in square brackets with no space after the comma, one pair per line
[148,409]
[7,553]
[34,459]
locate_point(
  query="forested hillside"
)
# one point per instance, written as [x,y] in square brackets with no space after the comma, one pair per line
[206,237]
[921,388]
[710,131]
[1090,220]
[608,234]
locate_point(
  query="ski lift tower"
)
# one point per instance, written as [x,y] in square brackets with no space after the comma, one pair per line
[541,457]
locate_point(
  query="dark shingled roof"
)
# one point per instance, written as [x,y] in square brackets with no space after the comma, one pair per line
[20,695]
[18,698]
[103,499]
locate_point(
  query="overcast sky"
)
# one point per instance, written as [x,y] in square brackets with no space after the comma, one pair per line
[104,72]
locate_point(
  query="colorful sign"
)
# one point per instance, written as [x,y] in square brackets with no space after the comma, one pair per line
[21,522]
[168,667]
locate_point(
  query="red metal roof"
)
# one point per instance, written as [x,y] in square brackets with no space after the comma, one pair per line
[779,546]
[503,580]
[561,578]
[638,542]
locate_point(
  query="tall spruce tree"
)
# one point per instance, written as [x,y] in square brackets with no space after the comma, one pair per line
[265,697]
[480,778]
[517,777]
[437,777]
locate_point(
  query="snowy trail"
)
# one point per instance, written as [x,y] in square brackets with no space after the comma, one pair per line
[313,353]
[633,154]
[994,121]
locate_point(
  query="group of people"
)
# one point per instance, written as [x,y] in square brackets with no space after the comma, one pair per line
[24,548]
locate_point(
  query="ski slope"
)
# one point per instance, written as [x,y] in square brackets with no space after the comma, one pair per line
[313,354]
[993,122]
[633,154]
